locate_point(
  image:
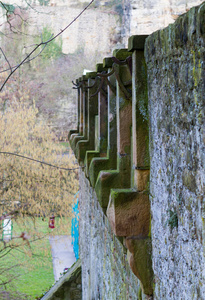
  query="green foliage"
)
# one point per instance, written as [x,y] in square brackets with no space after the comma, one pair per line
[54,48]
[32,264]
[44,2]
[8,7]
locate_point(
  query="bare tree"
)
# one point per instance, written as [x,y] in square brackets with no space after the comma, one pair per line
[36,178]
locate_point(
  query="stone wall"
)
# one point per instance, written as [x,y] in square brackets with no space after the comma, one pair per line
[175,60]
[140,143]
[105,270]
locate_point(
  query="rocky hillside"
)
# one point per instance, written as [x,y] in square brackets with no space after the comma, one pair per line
[105,25]
[97,30]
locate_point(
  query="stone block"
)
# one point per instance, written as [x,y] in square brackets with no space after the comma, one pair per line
[140,261]
[71,132]
[88,158]
[113,179]
[140,119]
[107,62]
[98,164]
[91,75]
[141,179]
[121,54]
[105,182]
[129,213]
[136,42]
[73,135]
[100,68]
[81,147]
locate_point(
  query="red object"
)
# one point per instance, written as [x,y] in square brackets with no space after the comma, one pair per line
[52,222]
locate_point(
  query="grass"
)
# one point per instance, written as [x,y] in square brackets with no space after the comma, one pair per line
[65,144]
[32,264]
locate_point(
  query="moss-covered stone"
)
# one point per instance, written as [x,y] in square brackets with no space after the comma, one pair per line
[91,75]
[136,42]
[89,156]
[107,62]
[100,68]
[189,180]
[121,54]
[175,66]
[99,164]
[71,132]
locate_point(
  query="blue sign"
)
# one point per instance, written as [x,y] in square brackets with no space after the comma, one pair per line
[75,227]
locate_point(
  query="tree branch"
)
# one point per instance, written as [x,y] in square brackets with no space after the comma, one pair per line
[36,160]
[6,59]
[44,43]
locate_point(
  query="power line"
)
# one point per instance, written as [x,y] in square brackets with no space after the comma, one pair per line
[39,161]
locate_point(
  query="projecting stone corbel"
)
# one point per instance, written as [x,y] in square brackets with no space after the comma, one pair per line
[88,143]
[100,132]
[82,113]
[140,261]
[129,212]
[139,245]
[73,133]
[119,175]
[110,160]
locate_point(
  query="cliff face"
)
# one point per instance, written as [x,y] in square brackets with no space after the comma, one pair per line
[147,16]
[96,30]
[105,25]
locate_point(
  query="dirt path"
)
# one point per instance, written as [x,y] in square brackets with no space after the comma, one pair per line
[62,253]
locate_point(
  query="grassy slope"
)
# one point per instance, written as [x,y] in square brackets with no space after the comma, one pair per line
[35,269]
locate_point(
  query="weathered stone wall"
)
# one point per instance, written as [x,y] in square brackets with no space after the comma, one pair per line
[115,148]
[105,270]
[176,83]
